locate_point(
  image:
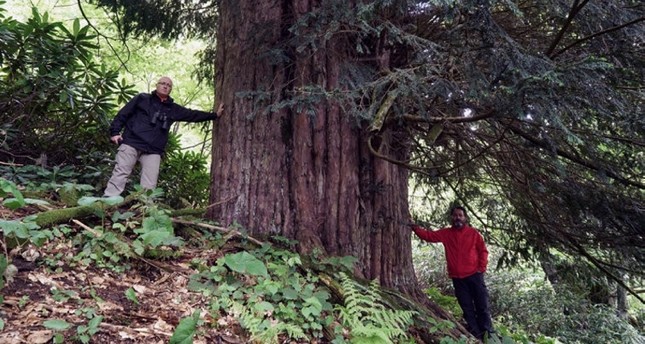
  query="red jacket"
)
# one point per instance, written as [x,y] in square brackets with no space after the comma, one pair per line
[466,252]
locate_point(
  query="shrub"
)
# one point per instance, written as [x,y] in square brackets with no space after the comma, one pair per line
[185,178]
[54,97]
[527,302]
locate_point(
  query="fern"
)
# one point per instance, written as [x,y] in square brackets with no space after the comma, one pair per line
[367,319]
[264,329]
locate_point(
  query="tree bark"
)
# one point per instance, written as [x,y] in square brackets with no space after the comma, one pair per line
[303,171]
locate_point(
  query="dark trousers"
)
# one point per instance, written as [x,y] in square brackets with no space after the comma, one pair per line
[472,296]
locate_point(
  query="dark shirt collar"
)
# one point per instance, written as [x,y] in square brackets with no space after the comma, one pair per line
[168,99]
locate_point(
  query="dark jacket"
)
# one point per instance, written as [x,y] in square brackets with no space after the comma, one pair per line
[147,121]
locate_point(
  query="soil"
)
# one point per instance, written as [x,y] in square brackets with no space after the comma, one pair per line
[44,288]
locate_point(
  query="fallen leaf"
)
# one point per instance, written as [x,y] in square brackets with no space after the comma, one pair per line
[40,337]
[163,326]
[97,280]
[230,339]
[139,288]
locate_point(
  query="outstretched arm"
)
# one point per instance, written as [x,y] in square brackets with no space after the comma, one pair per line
[189,115]
[425,234]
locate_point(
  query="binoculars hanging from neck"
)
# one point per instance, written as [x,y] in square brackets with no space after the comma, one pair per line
[161,118]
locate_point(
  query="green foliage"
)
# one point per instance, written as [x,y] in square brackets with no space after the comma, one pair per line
[519,336]
[446,302]
[103,248]
[50,84]
[270,292]
[57,324]
[166,19]
[262,330]
[245,263]
[85,332]
[111,248]
[68,182]
[20,231]
[185,330]
[131,295]
[185,178]
[156,230]
[8,188]
[367,319]
[559,313]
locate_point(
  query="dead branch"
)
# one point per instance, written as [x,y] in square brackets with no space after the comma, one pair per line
[219,229]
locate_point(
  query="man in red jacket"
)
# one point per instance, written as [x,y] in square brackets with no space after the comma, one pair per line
[467,259]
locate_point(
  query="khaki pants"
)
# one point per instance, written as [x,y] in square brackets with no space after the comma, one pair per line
[126,158]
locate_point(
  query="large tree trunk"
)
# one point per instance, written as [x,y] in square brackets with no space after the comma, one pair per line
[290,172]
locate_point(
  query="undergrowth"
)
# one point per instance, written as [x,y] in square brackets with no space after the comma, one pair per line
[275,294]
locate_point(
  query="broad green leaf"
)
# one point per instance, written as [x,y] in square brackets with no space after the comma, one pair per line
[131,295]
[314,302]
[243,262]
[93,325]
[112,200]
[57,324]
[289,293]
[39,237]
[264,307]
[7,187]
[36,201]
[310,312]
[84,338]
[155,238]
[313,307]
[157,221]
[18,228]
[185,330]
[76,26]
[13,203]
[138,247]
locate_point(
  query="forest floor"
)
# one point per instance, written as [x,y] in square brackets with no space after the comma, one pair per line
[143,304]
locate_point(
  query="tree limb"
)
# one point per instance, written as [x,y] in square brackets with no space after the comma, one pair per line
[461,119]
[575,9]
[584,39]
[225,230]
[600,266]
[589,164]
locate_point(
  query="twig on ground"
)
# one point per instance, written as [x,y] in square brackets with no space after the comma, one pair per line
[219,229]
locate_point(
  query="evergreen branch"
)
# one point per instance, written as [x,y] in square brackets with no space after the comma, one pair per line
[584,39]
[575,9]
[577,160]
[639,143]
[461,119]
[597,263]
